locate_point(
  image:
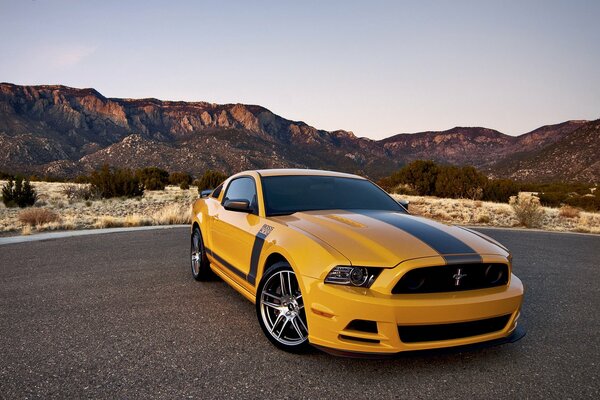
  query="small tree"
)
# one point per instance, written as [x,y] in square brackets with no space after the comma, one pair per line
[210,180]
[500,190]
[153,178]
[18,193]
[183,179]
[109,182]
[421,175]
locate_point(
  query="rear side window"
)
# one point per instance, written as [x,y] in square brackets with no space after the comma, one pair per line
[242,189]
[217,191]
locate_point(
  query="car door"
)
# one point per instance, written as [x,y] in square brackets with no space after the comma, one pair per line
[232,237]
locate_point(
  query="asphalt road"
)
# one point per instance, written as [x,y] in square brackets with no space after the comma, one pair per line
[119,316]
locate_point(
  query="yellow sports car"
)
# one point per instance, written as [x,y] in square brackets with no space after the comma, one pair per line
[331,260]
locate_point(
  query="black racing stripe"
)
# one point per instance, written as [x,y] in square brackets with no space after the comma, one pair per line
[259,242]
[440,241]
[226,264]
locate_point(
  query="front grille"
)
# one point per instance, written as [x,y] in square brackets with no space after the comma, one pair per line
[428,333]
[451,278]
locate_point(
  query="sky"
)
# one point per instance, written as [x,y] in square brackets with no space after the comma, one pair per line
[376,68]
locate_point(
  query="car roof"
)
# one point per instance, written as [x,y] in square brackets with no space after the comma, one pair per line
[301,172]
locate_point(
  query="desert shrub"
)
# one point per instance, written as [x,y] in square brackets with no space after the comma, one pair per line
[421,175]
[82,179]
[568,212]
[177,178]
[210,180]
[459,182]
[18,193]
[552,199]
[5,175]
[153,178]
[527,209]
[38,216]
[588,202]
[79,192]
[483,219]
[109,182]
[499,190]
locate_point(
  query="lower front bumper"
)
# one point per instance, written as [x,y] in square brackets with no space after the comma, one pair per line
[331,308]
[517,334]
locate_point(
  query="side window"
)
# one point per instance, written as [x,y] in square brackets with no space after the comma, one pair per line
[215,194]
[242,189]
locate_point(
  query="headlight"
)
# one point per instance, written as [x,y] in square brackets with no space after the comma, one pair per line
[352,276]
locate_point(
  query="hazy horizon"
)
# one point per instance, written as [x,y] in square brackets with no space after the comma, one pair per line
[376,69]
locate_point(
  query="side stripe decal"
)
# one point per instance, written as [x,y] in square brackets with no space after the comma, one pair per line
[452,249]
[259,242]
[226,264]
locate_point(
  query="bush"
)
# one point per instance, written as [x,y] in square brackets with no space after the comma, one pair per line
[420,175]
[109,182]
[587,202]
[459,182]
[153,178]
[499,190]
[38,216]
[18,193]
[568,212]
[527,209]
[79,192]
[177,178]
[210,180]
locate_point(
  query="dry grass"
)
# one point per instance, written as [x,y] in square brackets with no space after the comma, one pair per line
[569,212]
[172,206]
[37,216]
[469,212]
[173,214]
[77,212]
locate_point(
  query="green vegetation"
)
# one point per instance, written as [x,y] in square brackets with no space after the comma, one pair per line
[426,178]
[210,180]
[153,178]
[114,182]
[556,194]
[18,193]
[182,179]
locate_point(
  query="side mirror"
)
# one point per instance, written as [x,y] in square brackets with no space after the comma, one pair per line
[404,203]
[241,205]
[205,193]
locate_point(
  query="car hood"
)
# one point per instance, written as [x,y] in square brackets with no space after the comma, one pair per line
[386,238]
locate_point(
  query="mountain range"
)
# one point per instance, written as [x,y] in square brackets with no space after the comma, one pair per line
[61,131]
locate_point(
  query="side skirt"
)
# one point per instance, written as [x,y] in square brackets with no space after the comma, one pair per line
[220,271]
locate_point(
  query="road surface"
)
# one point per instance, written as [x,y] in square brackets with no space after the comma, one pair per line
[119,316]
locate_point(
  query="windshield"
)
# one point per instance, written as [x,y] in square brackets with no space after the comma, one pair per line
[289,194]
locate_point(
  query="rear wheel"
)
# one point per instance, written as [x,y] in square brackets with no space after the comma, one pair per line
[198,260]
[280,309]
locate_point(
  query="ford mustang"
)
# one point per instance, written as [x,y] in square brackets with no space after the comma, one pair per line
[331,260]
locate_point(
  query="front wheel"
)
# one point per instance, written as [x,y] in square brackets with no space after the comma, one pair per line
[280,309]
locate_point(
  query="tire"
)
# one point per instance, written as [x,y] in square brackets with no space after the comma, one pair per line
[198,260]
[281,312]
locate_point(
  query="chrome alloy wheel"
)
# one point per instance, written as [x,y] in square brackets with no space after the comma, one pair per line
[282,308]
[196,253]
